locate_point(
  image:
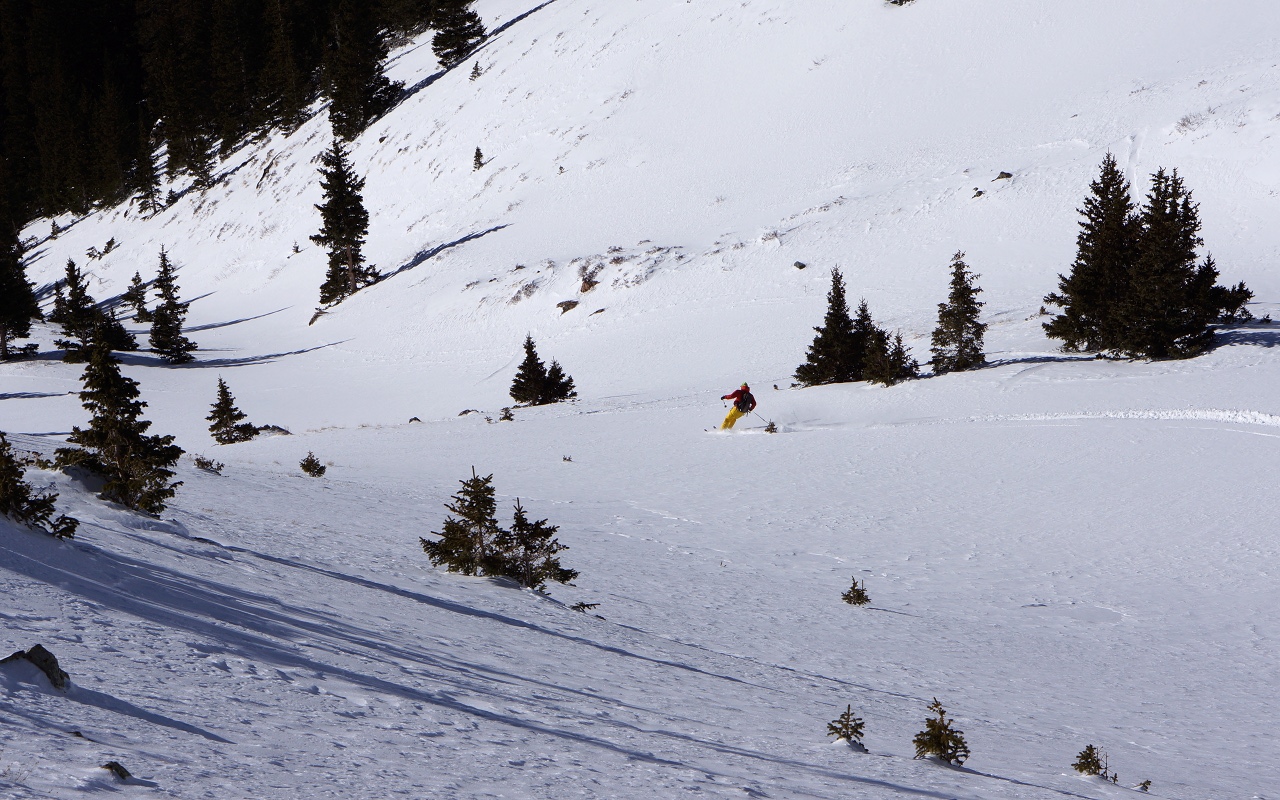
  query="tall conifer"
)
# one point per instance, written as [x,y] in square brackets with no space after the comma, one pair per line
[137,467]
[1090,297]
[83,322]
[355,82]
[167,340]
[535,384]
[18,306]
[344,224]
[459,31]
[957,341]
[136,296]
[838,351]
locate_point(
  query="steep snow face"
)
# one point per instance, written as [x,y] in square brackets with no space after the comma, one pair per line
[1063,550]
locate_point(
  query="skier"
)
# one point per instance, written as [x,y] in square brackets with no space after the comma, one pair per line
[743,404]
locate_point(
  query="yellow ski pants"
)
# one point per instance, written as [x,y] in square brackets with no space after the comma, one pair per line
[734,416]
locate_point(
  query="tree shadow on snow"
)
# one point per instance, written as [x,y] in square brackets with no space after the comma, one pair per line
[432,252]
[1256,335]
[141,358]
[212,325]
[244,624]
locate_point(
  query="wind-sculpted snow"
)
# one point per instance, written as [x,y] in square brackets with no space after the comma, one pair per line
[1063,550]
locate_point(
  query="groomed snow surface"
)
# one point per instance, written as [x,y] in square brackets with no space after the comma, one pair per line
[1064,551]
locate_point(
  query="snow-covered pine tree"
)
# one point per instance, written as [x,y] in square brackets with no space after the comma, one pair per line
[23,504]
[940,739]
[467,542]
[18,306]
[837,352]
[459,31]
[344,224]
[83,322]
[528,553]
[957,341]
[137,467]
[1091,296]
[353,76]
[166,320]
[136,296]
[226,425]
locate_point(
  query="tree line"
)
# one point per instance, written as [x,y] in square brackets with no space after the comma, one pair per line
[93,92]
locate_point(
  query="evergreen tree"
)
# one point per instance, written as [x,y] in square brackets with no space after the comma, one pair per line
[83,322]
[1090,761]
[1099,281]
[344,224]
[283,83]
[18,304]
[838,351]
[166,320]
[478,161]
[535,384]
[848,726]
[136,296]
[23,504]
[1161,316]
[528,553]
[201,160]
[357,87]
[531,375]
[939,739]
[225,419]
[957,341]
[459,31]
[558,387]
[467,543]
[146,183]
[137,467]
[887,360]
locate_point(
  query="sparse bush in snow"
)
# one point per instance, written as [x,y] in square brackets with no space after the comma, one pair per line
[939,739]
[209,465]
[23,504]
[856,595]
[847,727]
[312,466]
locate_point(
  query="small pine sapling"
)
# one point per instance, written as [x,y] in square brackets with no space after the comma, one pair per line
[1090,761]
[312,466]
[479,161]
[476,71]
[847,727]
[583,607]
[209,465]
[771,427]
[506,415]
[1145,786]
[939,739]
[856,594]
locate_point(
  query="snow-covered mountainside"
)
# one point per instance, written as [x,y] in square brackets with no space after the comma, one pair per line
[1064,551]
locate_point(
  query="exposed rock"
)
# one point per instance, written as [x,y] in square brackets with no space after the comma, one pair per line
[1003,176]
[46,662]
[799,265]
[117,769]
[567,305]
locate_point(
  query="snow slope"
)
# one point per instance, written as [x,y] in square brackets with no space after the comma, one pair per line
[1063,551]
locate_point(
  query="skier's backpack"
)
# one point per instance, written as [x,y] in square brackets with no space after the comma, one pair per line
[744,403]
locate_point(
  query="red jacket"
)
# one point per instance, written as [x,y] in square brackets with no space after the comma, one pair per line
[742,400]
